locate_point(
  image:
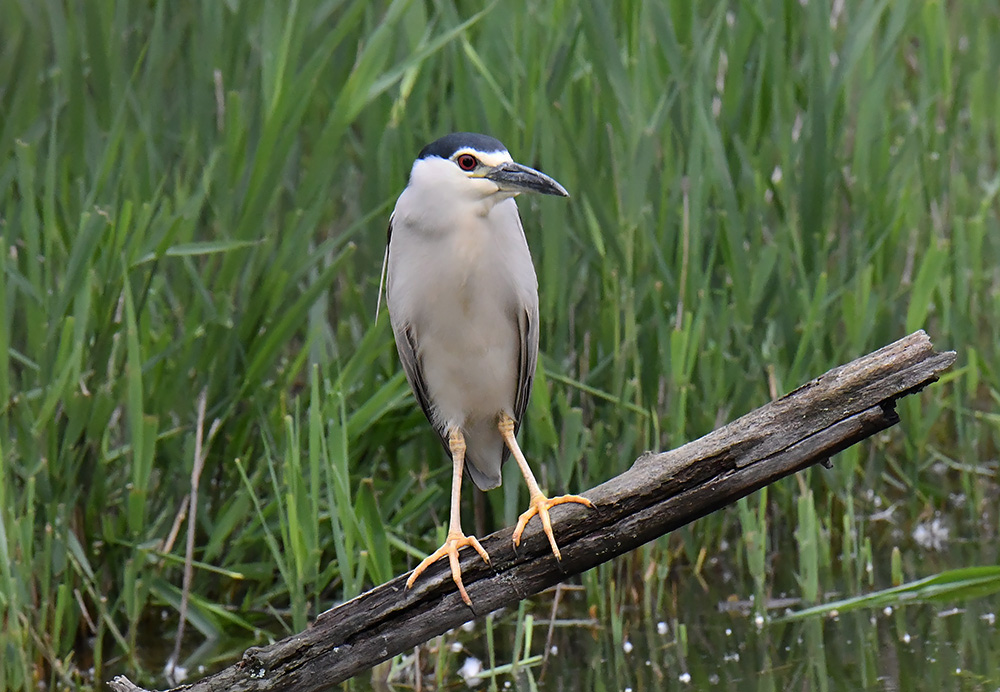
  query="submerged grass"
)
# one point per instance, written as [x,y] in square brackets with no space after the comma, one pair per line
[948,586]
[194,200]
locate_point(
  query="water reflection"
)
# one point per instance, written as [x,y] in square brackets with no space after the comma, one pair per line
[912,648]
[709,645]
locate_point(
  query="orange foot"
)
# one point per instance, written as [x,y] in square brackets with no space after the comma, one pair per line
[455,540]
[541,505]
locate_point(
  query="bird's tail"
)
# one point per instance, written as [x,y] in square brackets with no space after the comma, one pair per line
[484,453]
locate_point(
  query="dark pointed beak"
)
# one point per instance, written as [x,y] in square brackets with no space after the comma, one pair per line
[513,177]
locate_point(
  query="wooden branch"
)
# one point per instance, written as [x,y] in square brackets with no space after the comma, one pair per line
[659,493]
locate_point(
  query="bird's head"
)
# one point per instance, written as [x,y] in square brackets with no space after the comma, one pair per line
[465,165]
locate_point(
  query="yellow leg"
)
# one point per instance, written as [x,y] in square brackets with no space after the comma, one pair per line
[456,539]
[540,504]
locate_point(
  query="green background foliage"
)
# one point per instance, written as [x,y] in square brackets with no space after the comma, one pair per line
[193,202]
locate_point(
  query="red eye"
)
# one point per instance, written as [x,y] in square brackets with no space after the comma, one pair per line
[467,162]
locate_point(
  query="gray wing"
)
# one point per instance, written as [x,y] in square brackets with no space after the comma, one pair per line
[527,359]
[409,356]
[406,347]
[385,268]
[527,355]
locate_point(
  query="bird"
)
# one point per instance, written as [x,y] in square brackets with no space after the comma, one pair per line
[462,296]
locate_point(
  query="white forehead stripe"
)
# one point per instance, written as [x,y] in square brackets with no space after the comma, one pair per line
[490,158]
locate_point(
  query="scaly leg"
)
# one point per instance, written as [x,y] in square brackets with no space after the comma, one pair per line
[456,539]
[540,504]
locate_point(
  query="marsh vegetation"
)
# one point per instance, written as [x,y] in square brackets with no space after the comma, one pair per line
[193,202]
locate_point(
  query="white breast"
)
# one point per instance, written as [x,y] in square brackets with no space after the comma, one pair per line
[460,292]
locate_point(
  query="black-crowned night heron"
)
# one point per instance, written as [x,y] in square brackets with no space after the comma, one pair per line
[463,303]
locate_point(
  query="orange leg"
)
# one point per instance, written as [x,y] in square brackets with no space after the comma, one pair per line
[456,539]
[540,504]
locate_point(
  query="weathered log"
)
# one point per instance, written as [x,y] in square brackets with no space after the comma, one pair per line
[659,493]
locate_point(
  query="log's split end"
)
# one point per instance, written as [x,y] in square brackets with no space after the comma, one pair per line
[659,493]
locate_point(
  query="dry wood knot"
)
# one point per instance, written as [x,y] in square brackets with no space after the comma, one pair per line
[252,664]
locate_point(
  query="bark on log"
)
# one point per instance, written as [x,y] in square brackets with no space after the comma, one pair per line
[659,493]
